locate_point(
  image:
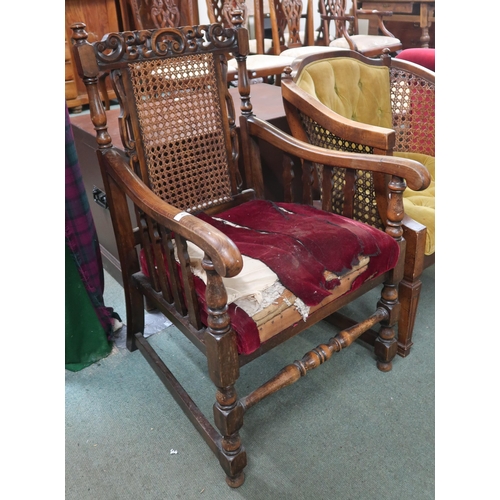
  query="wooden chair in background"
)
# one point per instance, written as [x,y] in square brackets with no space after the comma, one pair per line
[348,102]
[253,10]
[289,40]
[346,33]
[195,229]
[260,64]
[151,14]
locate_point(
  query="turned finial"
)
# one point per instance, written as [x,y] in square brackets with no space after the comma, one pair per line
[79,32]
[237,18]
[386,56]
[288,73]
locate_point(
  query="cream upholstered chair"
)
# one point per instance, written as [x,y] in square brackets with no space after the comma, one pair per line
[348,102]
[259,63]
[346,34]
[289,40]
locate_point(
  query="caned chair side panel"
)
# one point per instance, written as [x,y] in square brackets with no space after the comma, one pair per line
[354,193]
[412,101]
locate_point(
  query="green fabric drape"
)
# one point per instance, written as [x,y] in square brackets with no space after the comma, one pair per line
[86,340]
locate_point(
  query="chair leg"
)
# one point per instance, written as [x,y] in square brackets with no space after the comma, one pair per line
[228,417]
[385,346]
[409,295]
[149,306]
[134,302]
[223,368]
[410,285]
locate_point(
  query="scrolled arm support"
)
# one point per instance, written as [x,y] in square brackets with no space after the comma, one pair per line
[417,177]
[395,209]
[380,18]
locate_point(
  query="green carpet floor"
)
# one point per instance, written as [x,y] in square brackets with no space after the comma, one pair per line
[346,431]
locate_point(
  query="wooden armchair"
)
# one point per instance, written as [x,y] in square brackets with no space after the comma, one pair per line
[219,11]
[260,63]
[288,38]
[348,102]
[346,34]
[203,248]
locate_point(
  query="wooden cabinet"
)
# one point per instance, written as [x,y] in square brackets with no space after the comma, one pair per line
[412,21]
[101,17]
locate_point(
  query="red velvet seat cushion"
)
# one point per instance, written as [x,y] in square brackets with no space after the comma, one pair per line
[423,57]
[299,243]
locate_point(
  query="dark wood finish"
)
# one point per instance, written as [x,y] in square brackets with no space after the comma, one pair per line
[381,141]
[199,111]
[286,18]
[219,11]
[150,14]
[413,22]
[337,22]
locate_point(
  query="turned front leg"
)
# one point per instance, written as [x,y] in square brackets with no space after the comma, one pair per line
[386,344]
[223,367]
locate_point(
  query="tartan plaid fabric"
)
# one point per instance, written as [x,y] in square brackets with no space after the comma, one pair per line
[81,235]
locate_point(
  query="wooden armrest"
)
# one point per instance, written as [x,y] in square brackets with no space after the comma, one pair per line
[377,137]
[412,225]
[416,175]
[223,252]
[380,14]
[374,12]
[331,17]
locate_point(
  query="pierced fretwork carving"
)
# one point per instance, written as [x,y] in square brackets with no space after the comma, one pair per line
[288,15]
[222,11]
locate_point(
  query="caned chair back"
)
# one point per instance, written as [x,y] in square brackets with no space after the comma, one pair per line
[192,167]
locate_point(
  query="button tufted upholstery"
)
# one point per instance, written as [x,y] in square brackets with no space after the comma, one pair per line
[351,89]
[361,92]
[420,206]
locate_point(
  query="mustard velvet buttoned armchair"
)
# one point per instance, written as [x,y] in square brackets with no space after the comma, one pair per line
[345,101]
